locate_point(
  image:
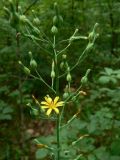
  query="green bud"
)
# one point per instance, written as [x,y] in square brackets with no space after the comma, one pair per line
[23,19]
[26,70]
[20,63]
[62,65]
[68,78]
[30,54]
[65,95]
[33,64]
[55,6]
[36,21]
[88,71]
[34,112]
[84,80]
[64,56]
[52,74]
[55,20]
[68,69]
[96,26]
[54,30]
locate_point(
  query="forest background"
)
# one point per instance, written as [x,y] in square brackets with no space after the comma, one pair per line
[100,111]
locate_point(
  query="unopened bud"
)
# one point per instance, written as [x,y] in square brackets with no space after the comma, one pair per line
[62,65]
[82,93]
[23,19]
[36,21]
[20,63]
[33,63]
[68,69]
[55,20]
[53,74]
[65,95]
[68,78]
[55,5]
[84,80]
[54,30]
[30,54]
[64,56]
[26,70]
[88,71]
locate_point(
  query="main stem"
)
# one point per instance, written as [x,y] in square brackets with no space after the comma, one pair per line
[20,86]
[57,93]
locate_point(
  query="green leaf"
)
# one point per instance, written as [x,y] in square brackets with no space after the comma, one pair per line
[104,80]
[109,71]
[41,153]
[102,154]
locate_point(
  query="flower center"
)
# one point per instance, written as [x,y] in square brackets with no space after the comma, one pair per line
[52,105]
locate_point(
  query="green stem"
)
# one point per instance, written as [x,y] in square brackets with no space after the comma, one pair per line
[57,93]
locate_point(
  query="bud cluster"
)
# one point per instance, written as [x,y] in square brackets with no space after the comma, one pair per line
[57,20]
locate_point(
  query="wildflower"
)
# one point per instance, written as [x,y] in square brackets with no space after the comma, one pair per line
[51,104]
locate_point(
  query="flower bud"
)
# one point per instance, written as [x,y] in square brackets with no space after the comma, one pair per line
[68,78]
[55,20]
[30,54]
[53,74]
[84,80]
[55,6]
[20,63]
[62,65]
[65,95]
[36,21]
[64,56]
[54,30]
[26,70]
[23,19]
[34,112]
[33,64]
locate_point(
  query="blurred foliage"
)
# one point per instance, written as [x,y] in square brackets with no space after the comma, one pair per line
[99,118]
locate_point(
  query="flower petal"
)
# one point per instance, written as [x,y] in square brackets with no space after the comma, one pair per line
[45,103]
[48,99]
[56,99]
[61,103]
[43,107]
[48,112]
[56,110]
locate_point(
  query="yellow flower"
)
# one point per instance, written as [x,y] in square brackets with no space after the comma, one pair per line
[51,104]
